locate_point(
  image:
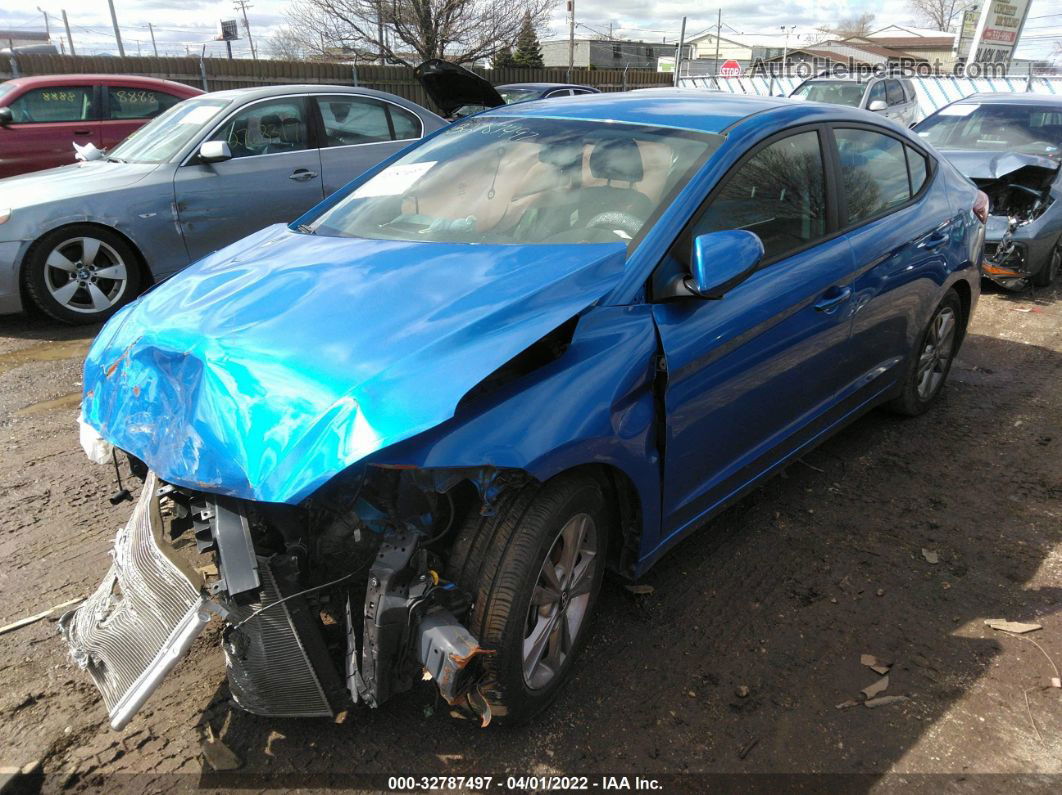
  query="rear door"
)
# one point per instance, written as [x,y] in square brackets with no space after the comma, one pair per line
[46,122]
[274,176]
[357,132]
[127,107]
[755,375]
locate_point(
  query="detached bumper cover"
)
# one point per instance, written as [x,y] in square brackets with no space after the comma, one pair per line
[141,620]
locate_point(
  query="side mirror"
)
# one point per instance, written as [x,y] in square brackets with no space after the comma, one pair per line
[214,152]
[720,262]
[6,117]
[877,104]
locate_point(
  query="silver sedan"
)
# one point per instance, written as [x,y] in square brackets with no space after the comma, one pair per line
[82,240]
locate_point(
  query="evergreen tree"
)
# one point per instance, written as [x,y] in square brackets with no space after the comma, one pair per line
[528,51]
[503,58]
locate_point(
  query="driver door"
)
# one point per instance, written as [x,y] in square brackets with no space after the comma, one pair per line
[274,176]
[754,375]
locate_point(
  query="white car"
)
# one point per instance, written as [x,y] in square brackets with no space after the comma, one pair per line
[891,97]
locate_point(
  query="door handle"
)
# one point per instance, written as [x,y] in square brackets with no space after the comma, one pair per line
[833,298]
[302,174]
[935,239]
[82,132]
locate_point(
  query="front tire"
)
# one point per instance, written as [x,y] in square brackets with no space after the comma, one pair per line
[82,273]
[1049,270]
[534,569]
[932,359]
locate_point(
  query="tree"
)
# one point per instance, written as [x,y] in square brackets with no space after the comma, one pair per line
[528,52]
[860,26]
[287,45]
[409,31]
[503,59]
[938,14]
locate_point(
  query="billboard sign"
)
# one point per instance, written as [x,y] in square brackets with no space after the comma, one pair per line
[998,31]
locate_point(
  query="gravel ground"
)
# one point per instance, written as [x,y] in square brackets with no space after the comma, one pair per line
[735,663]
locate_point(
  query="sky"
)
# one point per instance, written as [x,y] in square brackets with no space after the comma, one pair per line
[189,23]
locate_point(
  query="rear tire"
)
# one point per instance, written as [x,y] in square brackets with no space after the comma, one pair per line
[531,613]
[1049,270]
[931,360]
[82,273]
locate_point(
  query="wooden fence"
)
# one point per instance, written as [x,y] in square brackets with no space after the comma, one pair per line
[217,74]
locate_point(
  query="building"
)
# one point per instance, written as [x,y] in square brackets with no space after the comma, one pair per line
[608,53]
[934,46]
[22,38]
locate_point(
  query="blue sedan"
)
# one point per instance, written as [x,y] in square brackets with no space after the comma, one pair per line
[549,340]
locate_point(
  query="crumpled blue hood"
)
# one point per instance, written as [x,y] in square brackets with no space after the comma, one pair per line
[274,364]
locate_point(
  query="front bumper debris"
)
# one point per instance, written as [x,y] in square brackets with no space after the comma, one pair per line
[143,617]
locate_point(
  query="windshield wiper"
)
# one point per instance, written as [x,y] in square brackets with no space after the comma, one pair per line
[113,159]
[305,229]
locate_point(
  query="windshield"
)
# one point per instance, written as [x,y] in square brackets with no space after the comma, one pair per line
[162,138]
[522,180]
[1033,129]
[836,92]
[514,95]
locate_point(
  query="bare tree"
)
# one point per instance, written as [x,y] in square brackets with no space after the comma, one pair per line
[860,26]
[939,14]
[288,45]
[405,31]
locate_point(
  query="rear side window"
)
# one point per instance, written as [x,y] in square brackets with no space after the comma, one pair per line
[778,193]
[407,125]
[918,168]
[894,92]
[53,104]
[873,172]
[131,102]
[350,120]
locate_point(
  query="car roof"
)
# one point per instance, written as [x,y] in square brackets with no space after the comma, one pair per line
[92,79]
[681,108]
[544,86]
[261,92]
[1012,98]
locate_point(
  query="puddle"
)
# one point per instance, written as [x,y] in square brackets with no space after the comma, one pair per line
[45,352]
[71,401]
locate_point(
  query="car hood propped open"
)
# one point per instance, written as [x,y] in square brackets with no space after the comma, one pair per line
[451,86]
[276,363]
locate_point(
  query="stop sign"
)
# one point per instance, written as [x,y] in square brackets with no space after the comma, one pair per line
[730,68]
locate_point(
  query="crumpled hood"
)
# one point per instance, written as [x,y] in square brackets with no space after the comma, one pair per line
[269,367]
[977,164]
[66,182]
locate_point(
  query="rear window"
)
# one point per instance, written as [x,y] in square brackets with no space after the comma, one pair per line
[53,104]
[134,102]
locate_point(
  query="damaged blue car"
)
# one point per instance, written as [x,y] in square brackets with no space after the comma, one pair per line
[404,437]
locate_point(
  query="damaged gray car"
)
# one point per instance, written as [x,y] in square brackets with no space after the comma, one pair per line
[1010,145]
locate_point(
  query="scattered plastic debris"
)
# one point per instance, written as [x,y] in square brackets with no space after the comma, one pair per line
[879,686]
[931,557]
[874,664]
[882,701]
[1017,627]
[22,622]
[640,590]
[218,755]
[742,691]
[846,704]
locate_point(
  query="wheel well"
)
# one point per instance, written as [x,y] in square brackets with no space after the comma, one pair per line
[146,278]
[965,299]
[621,500]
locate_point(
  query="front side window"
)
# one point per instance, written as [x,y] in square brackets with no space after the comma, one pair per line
[271,127]
[353,120]
[894,92]
[873,172]
[778,193]
[835,92]
[523,180]
[876,94]
[131,102]
[560,92]
[53,104]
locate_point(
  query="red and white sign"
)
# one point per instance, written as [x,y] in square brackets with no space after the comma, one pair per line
[730,68]
[998,31]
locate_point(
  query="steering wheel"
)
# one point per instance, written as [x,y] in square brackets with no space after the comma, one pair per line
[616,220]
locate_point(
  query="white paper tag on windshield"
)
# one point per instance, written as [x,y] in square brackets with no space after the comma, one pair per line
[199,115]
[394,180]
[957,110]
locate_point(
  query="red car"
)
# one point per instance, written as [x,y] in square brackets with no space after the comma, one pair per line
[40,117]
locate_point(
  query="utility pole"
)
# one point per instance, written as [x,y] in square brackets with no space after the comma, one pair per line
[718,30]
[47,27]
[571,38]
[242,6]
[153,47]
[117,33]
[69,38]
[678,52]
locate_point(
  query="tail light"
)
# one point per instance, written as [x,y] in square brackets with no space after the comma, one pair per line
[980,207]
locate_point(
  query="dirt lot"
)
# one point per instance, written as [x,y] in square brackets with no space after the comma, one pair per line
[780,595]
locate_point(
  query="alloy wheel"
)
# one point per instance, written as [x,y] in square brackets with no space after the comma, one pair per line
[560,601]
[86,275]
[936,353]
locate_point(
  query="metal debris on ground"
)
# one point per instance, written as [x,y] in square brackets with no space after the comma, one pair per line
[22,622]
[218,755]
[846,704]
[879,686]
[748,747]
[931,557]
[882,701]
[1017,627]
[640,590]
[874,664]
